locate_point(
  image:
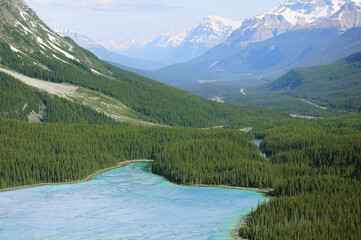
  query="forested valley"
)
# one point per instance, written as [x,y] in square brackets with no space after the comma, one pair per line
[154,101]
[312,170]
[313,166]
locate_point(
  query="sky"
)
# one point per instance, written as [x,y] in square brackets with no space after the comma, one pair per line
[104,20]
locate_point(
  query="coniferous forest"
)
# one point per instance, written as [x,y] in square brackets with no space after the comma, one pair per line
[313,166]
[312,170]
[315,180]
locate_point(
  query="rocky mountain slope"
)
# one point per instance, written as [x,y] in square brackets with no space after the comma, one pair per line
[290,17]
[174,47]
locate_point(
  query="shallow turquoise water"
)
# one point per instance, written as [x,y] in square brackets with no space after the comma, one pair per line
[126,203]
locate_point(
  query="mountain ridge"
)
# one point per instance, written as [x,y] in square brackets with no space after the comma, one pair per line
[179,47]
[229,56]
[33,49]
[335,86]
[110,56]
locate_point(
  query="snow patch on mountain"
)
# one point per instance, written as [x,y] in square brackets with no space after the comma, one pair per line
[172,47]
[57,58]
[26,30]
[22,14]
[290,15]
[14,49]
[121,44]
[211,31]
[80,39]
[349,16]
[68,55]
[169,39]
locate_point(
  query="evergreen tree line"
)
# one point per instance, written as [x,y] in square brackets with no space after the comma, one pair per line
[313,169]
[37,153]
[18,100]
[155,102]
[316,188]
[317,185]
[335,85]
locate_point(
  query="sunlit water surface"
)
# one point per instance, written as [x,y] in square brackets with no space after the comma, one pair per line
[126,203]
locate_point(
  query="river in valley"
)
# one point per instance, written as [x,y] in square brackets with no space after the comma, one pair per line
[127,203]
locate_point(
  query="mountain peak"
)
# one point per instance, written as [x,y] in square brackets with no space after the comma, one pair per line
[121,44]
[290,15]
[349,16]
[221,21]
[169,39]
[80,39]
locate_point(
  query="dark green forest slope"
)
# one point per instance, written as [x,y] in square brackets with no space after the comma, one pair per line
[36,153]
[314,166]
[36,51]
[336,88]
[17,100]
[337,85]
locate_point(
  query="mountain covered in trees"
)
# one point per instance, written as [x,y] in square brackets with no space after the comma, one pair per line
[313,167]
[336,85]
[28,46]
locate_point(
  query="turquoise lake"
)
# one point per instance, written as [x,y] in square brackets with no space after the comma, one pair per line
[126,203]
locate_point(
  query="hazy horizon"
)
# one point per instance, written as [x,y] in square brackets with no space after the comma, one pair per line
[105,20]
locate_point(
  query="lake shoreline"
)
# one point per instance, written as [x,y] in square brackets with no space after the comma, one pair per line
[267,191]
[234,233]
[87,179]
[260,190]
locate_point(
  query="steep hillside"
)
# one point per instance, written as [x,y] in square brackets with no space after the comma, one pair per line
[28,46]
[19,101]
[337,85]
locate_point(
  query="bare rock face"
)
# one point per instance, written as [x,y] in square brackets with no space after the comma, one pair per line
[349,16]
[315,25]
[286,16]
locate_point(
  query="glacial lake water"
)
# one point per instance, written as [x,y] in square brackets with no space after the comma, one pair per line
[126,203]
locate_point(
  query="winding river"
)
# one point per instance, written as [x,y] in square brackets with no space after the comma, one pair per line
[126,203]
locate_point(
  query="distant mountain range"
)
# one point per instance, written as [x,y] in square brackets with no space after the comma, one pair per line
[174,47]
[36,55]
[293,33]
[108,55]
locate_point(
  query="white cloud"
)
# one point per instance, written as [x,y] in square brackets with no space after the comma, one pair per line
[110,5]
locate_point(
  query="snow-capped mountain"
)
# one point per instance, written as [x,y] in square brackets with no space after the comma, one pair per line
[286,17]
[211,31]
[80,39]
[26,42]
[121,44]
[108,55]
[349,16]
[169,39]
[178,47]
